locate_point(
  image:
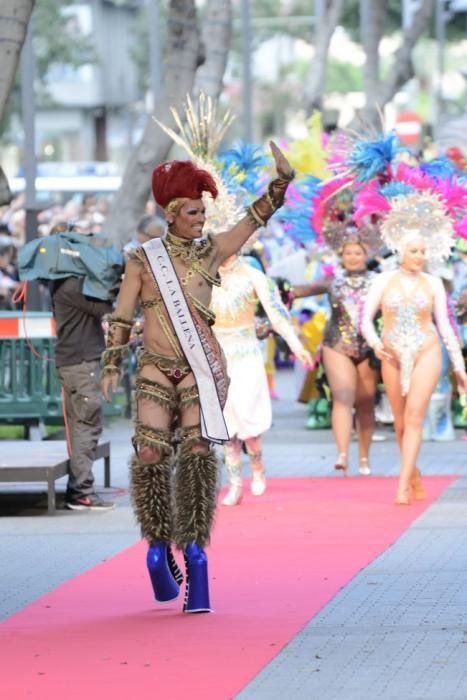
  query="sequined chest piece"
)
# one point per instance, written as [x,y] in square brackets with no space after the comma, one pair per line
[407,321]
[347,295]
[406,330]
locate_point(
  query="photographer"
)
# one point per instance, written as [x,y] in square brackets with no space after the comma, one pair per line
[80,343]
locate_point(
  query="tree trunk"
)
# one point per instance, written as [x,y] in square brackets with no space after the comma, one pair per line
[14,18]
[5,193]
[373,14]
[217,29]
[315,80]
[183,58]
[402,70]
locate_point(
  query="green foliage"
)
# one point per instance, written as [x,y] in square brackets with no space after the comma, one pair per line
[52,44]
[351,17]
[140,48]
[343,77]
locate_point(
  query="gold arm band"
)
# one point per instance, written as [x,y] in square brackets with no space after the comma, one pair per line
[263,208]
[118,336]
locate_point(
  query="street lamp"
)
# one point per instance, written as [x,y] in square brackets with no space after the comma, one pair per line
[28,105]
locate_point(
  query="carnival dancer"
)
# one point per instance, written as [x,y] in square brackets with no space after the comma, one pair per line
[348,360]
[418,227]
[181,373]
[248,409]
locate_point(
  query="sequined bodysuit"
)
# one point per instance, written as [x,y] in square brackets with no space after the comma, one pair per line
[347,293]
[409,305]
[248,408]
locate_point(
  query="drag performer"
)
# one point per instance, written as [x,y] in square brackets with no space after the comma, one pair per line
[248,409]
[418,227]
[181,385]
[347,358]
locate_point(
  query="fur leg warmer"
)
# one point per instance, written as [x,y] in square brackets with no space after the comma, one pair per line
[196,481]
[151,497]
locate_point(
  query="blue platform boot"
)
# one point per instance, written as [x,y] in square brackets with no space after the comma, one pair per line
[197,583]
[164,572]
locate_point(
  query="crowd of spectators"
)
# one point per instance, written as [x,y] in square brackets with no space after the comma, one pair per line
[85,214]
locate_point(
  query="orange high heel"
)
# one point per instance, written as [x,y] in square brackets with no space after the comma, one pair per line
[403,497]
[418,490]
[341,464]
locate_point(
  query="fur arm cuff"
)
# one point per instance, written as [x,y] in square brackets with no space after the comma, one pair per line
[118,337]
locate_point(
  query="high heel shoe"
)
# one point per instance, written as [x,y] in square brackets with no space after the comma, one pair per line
[364,467]
[418,490]
[197,582]
[258,482]
[341,463]
[164,572]
[402,497]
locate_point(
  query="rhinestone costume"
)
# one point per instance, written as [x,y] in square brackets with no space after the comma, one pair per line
[413,318]
[347,293]
[248,408]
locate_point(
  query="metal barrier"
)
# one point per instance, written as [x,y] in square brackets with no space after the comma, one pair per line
[30,391]
[29,386]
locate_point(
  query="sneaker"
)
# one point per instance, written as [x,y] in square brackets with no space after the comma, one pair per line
[91,502]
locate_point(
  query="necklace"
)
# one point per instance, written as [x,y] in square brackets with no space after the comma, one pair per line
[179,247]
[192,252]
[355,279]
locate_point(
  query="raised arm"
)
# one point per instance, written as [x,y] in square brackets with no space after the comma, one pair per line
[120,324]
[370,308]
[446,331]
[268,294]
[258,213]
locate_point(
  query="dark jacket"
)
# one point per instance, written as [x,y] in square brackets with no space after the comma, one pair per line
[80,337]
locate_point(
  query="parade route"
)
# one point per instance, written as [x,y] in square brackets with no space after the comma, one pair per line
[392,623]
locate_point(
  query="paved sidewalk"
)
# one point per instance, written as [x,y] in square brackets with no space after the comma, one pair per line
[398,630]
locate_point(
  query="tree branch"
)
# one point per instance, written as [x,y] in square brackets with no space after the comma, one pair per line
[183,57]
[402,70]
[14,18]
[316,78]
[217,29]
[371,39]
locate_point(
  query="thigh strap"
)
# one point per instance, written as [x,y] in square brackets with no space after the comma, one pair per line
[190,434]
[159,393]
[188,396]
[154,438]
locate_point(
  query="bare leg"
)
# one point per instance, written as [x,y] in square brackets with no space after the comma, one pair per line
[233,462]
[196,476]
[342,378]
[258,483]
[151,467]
[392,381]
[365,410]
[425,377]
[410,410]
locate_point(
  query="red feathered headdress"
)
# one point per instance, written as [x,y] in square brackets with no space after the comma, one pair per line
[177,179]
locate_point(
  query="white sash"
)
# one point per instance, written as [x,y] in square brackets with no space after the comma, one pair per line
[213,425]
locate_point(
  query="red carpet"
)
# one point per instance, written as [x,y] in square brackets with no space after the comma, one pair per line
[274,562]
